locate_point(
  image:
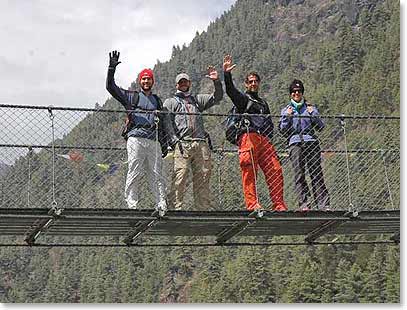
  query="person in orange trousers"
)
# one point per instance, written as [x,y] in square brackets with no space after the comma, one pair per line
[256,151]
[254,140]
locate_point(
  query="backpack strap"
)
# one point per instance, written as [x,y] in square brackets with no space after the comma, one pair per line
[134,101]
[262,103]
[159,102]
[193,101]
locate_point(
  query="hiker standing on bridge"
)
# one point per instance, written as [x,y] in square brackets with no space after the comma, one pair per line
[304,148]
[254,140]
[144,132]
[192,151]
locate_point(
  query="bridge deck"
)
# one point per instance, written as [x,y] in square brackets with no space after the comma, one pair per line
[223,226]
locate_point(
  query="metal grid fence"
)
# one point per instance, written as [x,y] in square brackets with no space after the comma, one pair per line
[76,158]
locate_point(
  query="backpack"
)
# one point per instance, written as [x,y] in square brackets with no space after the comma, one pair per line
[207,136]
[233,123]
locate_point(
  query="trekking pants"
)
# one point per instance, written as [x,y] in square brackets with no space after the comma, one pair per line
[307,155]
[257,151]
[194,156]
[144,157]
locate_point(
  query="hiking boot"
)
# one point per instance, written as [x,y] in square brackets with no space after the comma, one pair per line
[254,207]
[257,210]
[305,207]
[326,208]
[281,207]
[161,208]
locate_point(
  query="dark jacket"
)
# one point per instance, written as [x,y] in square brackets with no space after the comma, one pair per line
[261,124]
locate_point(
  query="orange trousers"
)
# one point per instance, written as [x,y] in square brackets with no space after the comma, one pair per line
[257,151]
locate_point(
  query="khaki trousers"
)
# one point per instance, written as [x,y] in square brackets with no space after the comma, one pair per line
[195,156]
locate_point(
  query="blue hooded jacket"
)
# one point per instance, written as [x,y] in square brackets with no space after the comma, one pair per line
[300,129]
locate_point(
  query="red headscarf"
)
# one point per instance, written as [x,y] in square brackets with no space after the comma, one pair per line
[146,72]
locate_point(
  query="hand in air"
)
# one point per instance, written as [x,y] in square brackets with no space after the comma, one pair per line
[114,59]
[228,63]
[212,73]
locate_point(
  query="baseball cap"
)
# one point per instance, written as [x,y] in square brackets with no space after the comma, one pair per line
[182,76]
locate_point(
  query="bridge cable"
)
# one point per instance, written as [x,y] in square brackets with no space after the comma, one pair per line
[343,124]
[30,152]
[51,116]
[387,178]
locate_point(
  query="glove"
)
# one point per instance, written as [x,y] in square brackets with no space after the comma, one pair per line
[164,151]
[172,143]
[114,59]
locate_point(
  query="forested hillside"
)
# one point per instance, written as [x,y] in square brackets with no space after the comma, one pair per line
[346,52]
[348,55]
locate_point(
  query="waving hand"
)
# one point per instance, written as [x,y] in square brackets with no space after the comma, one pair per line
[114,59]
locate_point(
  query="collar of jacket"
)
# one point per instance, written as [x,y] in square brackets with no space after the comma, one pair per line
[299,106]
[182,94]
[255,95]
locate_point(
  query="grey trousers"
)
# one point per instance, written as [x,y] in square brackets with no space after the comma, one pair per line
[307,156]
[144,157]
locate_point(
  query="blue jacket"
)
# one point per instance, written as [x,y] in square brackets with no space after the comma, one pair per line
[300,129]
[143,123]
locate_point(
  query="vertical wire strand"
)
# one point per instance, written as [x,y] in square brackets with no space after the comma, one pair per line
[29,176]
[51,116]
[387,178]
[343,124]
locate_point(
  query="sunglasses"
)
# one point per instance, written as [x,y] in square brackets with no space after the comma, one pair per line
[253,82]
[294,91]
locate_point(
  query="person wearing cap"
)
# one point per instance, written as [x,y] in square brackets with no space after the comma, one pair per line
[299,122]
[254,141]
[192,150]
[143,148]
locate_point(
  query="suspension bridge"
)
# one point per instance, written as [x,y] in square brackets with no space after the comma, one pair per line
[62,174]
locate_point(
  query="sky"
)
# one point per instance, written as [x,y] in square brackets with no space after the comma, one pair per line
[56,52]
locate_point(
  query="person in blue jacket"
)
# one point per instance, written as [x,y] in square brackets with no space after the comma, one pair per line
[143,131]
[304,147]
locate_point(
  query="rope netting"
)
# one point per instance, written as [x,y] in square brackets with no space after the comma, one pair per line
[77,158]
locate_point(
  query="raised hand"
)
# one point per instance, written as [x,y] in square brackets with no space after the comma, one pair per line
[290,110]
[114,59]
[212,73]
[228,63]
[310,108]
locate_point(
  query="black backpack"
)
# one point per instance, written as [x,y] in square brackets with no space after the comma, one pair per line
[234,123]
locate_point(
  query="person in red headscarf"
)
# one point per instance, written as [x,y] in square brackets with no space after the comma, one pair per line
[145,133]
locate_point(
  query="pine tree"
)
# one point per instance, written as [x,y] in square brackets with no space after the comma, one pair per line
[373,278]
[342,295]
[392,274]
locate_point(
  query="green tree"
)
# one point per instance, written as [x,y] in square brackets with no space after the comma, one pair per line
[374,279]
[392,275]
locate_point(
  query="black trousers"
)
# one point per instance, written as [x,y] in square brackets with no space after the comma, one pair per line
[307,156]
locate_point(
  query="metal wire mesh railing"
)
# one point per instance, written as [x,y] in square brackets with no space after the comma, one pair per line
[77,158]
